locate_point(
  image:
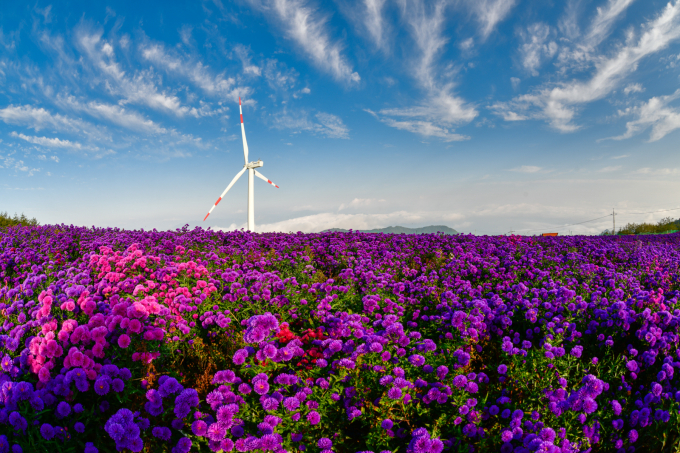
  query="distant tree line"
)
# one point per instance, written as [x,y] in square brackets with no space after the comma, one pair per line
[7,221]
[664,225]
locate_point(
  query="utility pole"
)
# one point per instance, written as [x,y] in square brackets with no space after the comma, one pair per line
[614,221]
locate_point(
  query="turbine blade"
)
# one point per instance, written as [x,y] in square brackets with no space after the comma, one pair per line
[243,133]
[238,175]
[264,178]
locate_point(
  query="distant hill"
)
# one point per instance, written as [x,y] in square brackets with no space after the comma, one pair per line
[401,230]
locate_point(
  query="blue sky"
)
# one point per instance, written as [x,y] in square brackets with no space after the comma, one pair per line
[484,115]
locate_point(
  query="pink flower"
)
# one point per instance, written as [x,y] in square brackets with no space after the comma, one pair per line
[44,374]
[124,341]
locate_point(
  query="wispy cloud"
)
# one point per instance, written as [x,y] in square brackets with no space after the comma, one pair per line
[526,169]
[536,47]
[633,88]
[374,22]
[49,142]
[658,171]
[39,119]
[113,113]
[558,105]
[307,27]
[604,20]
[489,13]
[609,169]
[441,109]
[55,142]
[139,89]
[323,124]
[360,203]
[218,85]
[327,220]
[655,113]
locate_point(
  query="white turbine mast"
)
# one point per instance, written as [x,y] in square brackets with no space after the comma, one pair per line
[250,166]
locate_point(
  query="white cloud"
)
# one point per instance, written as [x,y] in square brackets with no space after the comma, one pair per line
[558,105]
[304,25]
[39,118]
[441,109]
[48,142]
[218,85]
[603,21]
[279,77]
[515,82]
[113,113]
[360,203]
[655,113]
[490,12]
[243,53]
[526,169]
[327,220]
[609,169]
[536,47]
[633,88]
[140,88]
[658,171]
[374,23]
[326,124]
[424,128]
[64,144]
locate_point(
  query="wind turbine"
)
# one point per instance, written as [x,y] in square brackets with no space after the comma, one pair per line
[250,166]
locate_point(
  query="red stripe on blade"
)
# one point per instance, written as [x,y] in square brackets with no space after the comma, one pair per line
[218,201]
[206,216]
[239,100]
[241,118]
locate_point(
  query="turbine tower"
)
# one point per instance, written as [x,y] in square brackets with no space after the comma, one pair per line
[250,166]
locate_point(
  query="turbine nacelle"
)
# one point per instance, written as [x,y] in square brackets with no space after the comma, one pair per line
[255,164]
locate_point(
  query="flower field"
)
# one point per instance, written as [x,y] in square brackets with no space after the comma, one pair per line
[196,340]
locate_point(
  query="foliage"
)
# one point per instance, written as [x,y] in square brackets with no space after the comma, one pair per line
[6,220]
[203,341]
[662,226]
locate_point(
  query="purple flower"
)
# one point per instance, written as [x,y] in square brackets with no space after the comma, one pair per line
[576,351]
[472,387]
[394,393]
[502,369]
[261,387]
[63,409]
[313,417]
[325,443]
[387,424]
[589,405]
[416,360]
[79,427]
[506,436]
[184,445]
[240,356]
[632,436]
[101,386]
[199,427]
[47,431]
[547,434]
[291,403]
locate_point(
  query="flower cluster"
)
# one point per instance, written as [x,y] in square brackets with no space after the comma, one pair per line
[206,340]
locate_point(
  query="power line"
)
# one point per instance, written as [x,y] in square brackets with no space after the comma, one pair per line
[651,212]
